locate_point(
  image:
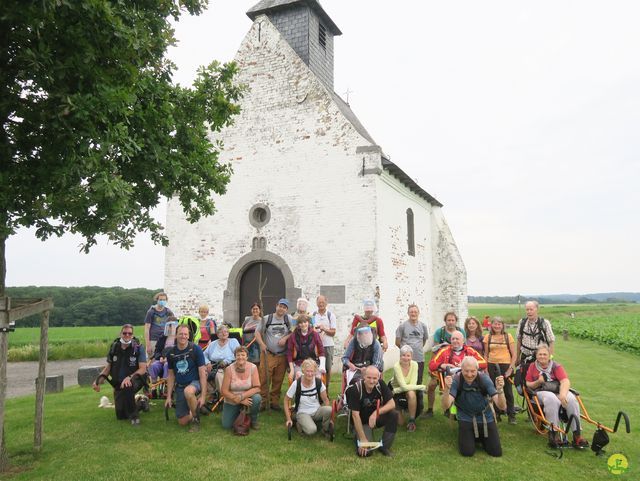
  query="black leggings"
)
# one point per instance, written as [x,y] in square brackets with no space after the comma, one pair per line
[467,439]
[508,391]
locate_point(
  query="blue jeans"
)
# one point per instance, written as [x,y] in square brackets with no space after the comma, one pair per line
[230,411]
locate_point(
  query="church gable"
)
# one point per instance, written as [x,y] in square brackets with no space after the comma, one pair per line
[281,83]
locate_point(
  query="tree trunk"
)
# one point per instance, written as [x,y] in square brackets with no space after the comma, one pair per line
[4,348]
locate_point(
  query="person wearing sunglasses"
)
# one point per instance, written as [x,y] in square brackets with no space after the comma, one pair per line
[126,371]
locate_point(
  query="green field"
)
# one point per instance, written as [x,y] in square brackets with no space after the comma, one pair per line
[64,342]
[83,442]
[617,325]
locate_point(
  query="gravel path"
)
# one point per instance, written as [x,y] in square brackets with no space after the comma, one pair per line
[21,376]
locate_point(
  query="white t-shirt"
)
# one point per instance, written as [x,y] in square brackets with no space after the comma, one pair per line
[309,402]
[328,320]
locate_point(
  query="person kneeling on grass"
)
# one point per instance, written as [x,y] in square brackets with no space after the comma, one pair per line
[406,390]
[126,372]
[241,389]
[307,392]
[188,374]
[472,393]
[372,406]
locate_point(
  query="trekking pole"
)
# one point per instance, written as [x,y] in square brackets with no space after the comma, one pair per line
[266,377]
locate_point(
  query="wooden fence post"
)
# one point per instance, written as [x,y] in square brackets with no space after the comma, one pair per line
[4,349]
[40,384]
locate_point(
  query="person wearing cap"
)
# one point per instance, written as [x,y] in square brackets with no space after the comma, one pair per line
[271,335]
[372,320]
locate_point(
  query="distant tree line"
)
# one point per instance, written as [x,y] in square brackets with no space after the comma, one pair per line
[557,299]
[88,306]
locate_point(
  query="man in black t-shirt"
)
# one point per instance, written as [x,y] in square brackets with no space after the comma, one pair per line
[363,398]
[126,371]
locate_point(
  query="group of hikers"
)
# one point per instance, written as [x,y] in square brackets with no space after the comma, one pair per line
[202,362]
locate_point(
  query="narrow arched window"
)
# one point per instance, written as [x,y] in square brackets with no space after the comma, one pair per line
[411,244]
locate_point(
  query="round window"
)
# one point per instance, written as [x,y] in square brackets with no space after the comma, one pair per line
[259,215]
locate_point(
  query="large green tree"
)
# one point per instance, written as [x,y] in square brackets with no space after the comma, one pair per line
[94,133]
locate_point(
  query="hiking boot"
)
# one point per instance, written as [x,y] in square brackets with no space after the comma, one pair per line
[255,425]
[385,452]
[428,413]
[329,433]
[411,426]
[579,442]
[387,441]
[195,425]
[276,407]
[512,419]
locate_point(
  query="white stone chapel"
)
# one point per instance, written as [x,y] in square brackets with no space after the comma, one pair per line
[314,205]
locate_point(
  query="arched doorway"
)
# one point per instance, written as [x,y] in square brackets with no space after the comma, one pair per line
[231,301]
[261,281]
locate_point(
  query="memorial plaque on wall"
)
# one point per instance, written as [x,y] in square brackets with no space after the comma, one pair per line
[335,294]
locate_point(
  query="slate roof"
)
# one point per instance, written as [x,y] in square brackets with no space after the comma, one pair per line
[408,182]
[266,6]
[351,117]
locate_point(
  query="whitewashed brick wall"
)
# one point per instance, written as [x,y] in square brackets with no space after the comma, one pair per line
[292,149]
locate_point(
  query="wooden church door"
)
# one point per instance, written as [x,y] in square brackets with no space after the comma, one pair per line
[262,282]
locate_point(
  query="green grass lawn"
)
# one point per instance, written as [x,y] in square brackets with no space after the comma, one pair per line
[83,442]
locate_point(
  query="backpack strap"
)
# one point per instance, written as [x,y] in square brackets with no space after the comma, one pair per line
[521,328]
[298,393]
[114,346]
[542,330]
[318,388]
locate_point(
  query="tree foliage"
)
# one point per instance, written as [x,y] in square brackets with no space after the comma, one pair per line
[94,132]
[89,305]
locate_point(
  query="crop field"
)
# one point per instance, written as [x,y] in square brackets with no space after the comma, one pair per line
[64,342]
[616,325]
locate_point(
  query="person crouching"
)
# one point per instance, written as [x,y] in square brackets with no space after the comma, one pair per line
[372,406]
[126,372]
[307,392]
[472,393]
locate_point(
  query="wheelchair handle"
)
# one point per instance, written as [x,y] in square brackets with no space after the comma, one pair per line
[622,414]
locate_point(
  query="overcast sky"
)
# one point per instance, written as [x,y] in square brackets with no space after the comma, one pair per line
[522,119]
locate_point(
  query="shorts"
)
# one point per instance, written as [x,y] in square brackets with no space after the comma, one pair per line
[182,407]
